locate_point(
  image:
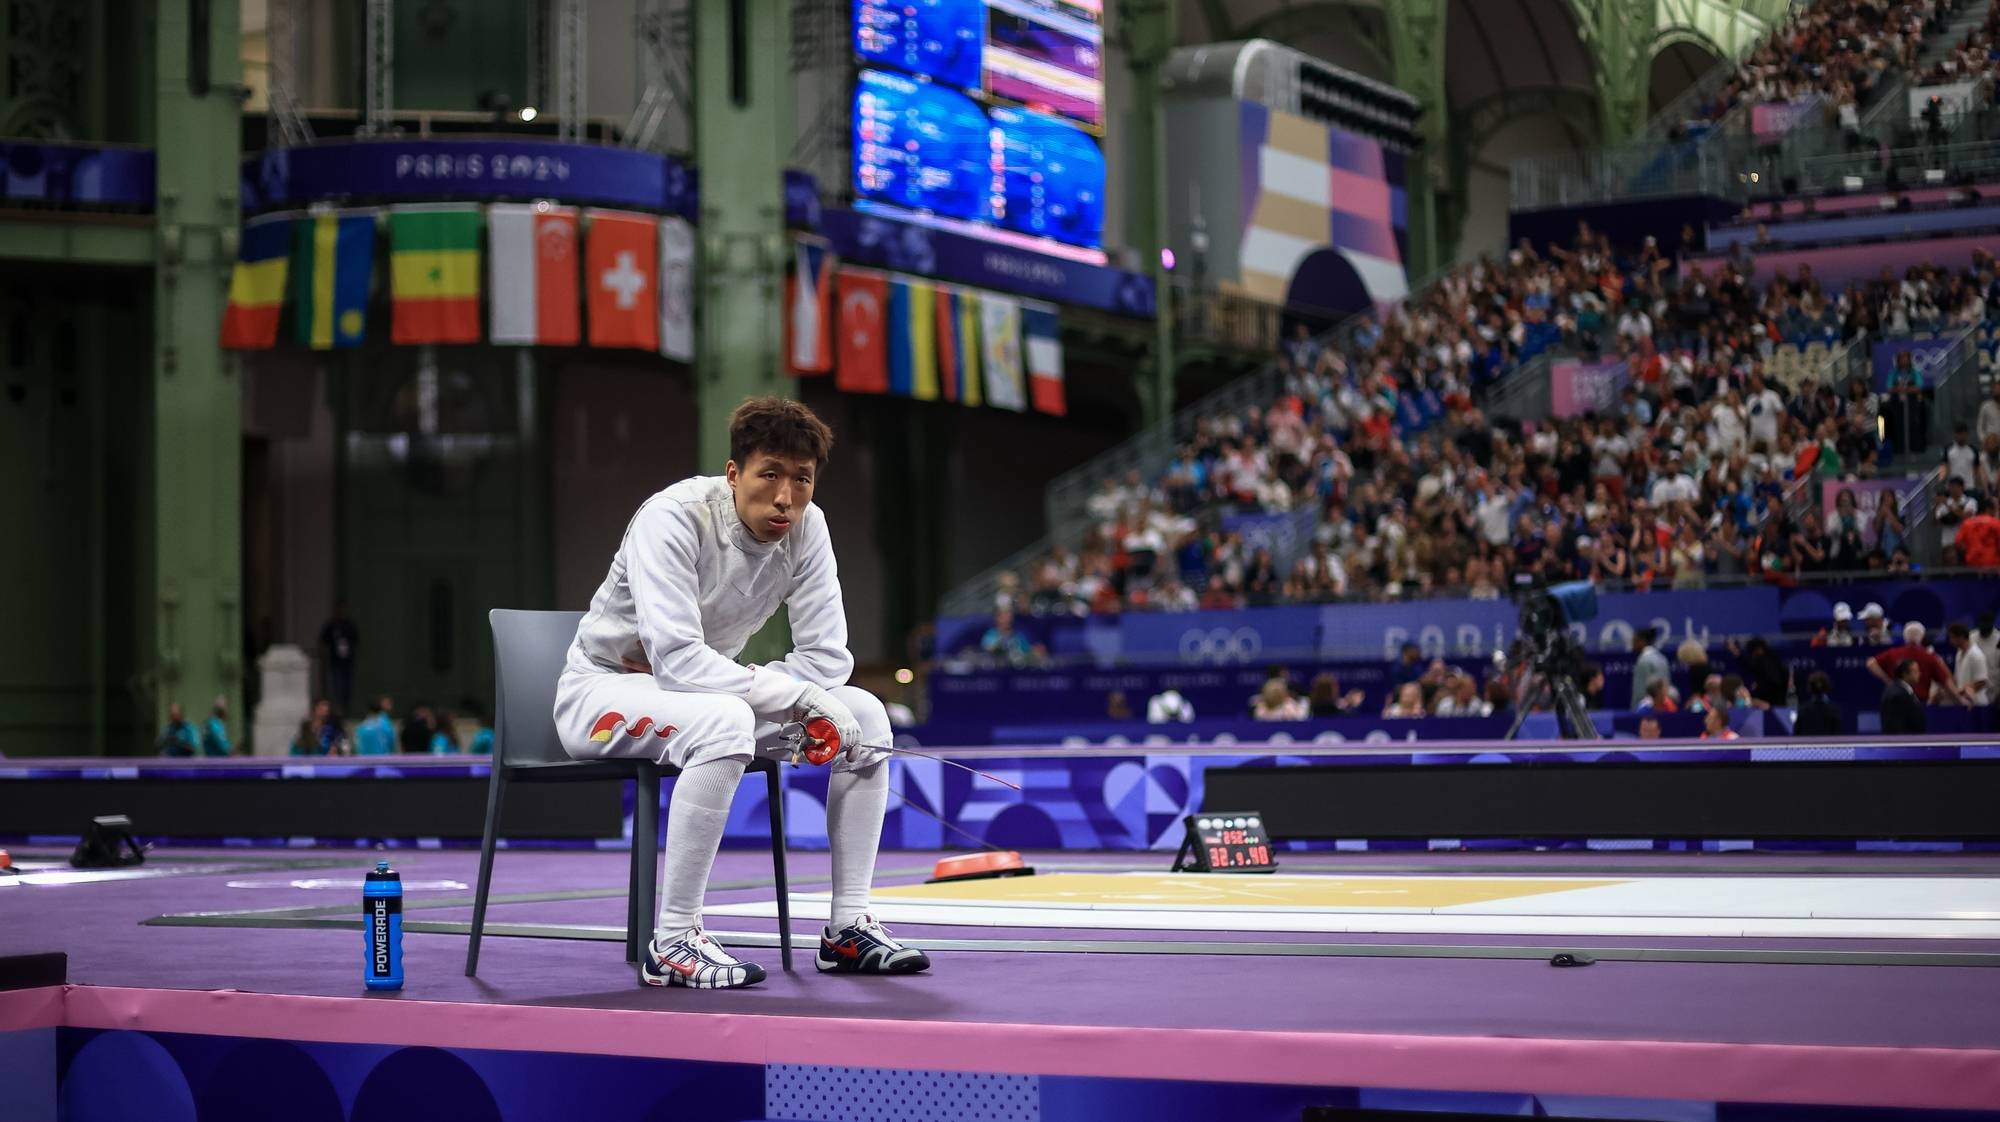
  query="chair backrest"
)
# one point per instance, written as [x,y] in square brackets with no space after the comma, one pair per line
[528,653]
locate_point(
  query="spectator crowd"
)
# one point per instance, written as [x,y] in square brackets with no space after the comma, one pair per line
[1702,471]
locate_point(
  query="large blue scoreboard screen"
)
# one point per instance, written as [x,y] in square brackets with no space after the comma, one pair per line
[988,127]
[924,148]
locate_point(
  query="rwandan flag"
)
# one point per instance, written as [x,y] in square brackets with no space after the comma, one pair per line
[257,286]
[912,340]
[434,274]
[332,255]
[958,344]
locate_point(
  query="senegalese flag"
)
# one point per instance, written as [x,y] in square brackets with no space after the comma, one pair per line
[332,255]
[958,345]
[434,274]
[257,285]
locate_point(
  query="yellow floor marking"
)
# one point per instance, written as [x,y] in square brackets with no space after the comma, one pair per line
[1237,890]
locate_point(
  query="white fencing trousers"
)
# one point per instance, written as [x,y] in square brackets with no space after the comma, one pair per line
[620,716]
[601,716]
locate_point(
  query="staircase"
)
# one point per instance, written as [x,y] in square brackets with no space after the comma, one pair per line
[1947,38]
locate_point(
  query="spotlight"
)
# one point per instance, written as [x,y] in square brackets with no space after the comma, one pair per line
[529,113]
[1167,259]
[904,677]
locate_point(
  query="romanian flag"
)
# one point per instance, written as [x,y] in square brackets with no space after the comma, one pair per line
[257,286]
[434,274]
[332,257]
[912,340]
[958,345]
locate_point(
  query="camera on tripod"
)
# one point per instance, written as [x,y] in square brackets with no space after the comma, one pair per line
[1552,655]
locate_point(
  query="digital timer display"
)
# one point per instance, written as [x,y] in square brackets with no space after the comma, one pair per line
[1232,842]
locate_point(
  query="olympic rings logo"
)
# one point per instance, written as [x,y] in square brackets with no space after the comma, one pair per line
[1220,644]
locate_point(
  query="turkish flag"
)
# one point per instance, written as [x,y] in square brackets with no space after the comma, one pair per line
[621,279]
[862,350]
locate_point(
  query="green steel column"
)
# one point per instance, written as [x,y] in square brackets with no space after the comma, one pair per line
[742,131]
[1416,56]
[1148,30]
[1623,30]
[743,128]
[197,634]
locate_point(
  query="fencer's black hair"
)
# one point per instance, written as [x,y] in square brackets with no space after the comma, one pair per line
[780,427]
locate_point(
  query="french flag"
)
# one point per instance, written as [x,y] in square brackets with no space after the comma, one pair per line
[809,308]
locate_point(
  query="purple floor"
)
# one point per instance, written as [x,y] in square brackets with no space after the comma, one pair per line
[99,925]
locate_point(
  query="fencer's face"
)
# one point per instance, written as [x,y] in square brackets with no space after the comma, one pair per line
[771,492]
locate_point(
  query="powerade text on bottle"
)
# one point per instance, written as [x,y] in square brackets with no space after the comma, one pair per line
[382,921]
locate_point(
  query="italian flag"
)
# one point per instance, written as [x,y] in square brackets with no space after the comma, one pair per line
[532,268]
[434,274]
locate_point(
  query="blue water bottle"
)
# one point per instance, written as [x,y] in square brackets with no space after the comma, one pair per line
[382,917]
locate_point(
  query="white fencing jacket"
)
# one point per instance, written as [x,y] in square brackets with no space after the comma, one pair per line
[690,585]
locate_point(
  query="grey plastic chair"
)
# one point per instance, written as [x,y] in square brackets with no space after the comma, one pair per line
[528,653]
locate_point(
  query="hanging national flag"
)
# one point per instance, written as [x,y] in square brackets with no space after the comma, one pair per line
[912,340]
[620,273]
[1000,351]
[677,289]
[434,274]
[862,355]
[1041,340]
[971,390]
[808,308]
[947,345]
[531,267]
[257,285]
[332,257]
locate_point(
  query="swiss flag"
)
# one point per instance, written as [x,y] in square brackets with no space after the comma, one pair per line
[621,279]
[862,349]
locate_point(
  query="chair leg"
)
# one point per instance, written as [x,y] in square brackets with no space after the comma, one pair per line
[633,858]
[645,857]
[496,786]
[776,799]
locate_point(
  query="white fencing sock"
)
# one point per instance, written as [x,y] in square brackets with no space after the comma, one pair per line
[854,802]
[695,818]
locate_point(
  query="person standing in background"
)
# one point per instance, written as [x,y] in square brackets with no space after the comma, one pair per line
[444,738]
[1902,712]
[415,739]
[215,731]
[376,736]
[1970,671]
[177,739]
[1649,666]
[1818,715]
[339,639]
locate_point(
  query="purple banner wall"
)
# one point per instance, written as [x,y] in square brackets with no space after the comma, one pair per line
[1586,387]
[872,239]
[1842,265]
[76,175]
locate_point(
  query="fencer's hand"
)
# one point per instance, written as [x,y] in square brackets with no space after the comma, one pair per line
[816,702]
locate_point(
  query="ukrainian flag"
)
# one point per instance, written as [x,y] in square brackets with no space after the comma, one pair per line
[913,368]
[332,256]
[257,286]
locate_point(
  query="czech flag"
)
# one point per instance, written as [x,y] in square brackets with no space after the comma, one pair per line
[333,254]
[257,285]
[809,309]
[434,274]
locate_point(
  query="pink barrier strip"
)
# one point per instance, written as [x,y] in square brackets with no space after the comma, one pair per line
[1938,1078]
[31,1009]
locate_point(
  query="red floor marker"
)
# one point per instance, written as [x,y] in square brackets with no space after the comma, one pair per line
[977,866]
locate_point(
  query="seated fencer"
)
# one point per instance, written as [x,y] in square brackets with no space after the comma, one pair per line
[653,673]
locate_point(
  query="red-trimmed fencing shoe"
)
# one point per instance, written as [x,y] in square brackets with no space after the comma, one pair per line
[696,961]
[863,947]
